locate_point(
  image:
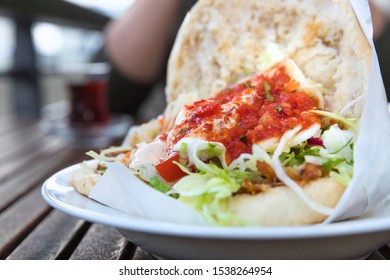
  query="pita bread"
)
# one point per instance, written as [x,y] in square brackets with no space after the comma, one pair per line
[281,206]
[84,180]
[222,42]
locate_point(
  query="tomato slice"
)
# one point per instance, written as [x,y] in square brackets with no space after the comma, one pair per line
[168,170]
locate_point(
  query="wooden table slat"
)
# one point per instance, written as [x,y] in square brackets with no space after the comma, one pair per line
[141,254]
[17,221]
[50,238]
[385,251]
[23,144]
[13,163]
[13,127]
[19,143]
[21,131]
[376,256]
[38,171]
[100,243]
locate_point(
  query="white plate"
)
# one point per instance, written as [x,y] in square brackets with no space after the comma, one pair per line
[343,240]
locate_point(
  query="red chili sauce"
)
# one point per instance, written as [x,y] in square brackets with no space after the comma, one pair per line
[241,115]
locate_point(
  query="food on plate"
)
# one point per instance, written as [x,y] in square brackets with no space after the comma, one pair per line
[264,100]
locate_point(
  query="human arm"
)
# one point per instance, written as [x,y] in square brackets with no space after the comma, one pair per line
[137,43]
[380,11]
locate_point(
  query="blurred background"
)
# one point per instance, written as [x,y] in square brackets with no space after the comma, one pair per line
[45,43]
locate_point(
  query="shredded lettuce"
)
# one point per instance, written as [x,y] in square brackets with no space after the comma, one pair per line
[338,143]
[336,157]
[210,186]
[339,153]
[282,175]
[343,173]
[99,157]
[297,154]
[208,190]
[103,156]
[157,184]
[348,122]
[183,150]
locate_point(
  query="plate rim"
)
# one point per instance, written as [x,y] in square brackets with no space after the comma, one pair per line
[139,224]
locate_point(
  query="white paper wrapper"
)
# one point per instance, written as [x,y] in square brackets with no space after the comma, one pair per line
[121,190]
[371,181]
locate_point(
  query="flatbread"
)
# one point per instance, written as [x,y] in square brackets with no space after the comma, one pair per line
[84,180]
[281,206]
[222,42]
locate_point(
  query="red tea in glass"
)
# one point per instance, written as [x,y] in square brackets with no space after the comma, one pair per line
[88,103]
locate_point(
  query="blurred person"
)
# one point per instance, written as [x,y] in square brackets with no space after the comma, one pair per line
[380,10]
[139,43]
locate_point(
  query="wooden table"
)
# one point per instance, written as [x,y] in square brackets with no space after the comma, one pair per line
[30,228]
